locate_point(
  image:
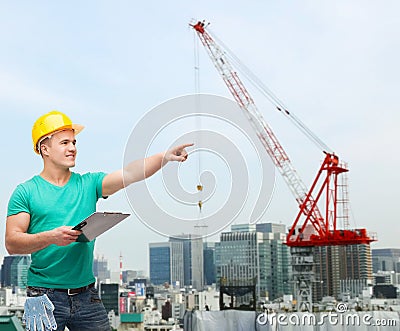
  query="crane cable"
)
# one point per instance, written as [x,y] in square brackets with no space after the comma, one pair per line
[261,87]
[197,117]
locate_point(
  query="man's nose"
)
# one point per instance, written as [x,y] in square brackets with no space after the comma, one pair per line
[72,147]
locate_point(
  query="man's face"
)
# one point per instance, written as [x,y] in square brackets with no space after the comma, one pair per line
[61,149]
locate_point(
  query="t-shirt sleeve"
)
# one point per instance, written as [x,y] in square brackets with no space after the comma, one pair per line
[98,179]
[18,202]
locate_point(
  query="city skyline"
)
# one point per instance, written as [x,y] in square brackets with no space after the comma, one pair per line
[105,65]
[246,252]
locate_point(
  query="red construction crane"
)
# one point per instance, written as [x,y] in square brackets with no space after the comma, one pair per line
[311,227]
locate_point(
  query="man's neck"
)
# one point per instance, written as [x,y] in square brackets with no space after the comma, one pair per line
[58,177]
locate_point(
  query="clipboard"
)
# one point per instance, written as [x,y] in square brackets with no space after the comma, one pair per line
[98,223]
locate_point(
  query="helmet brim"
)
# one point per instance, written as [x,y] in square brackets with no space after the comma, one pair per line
[77,128]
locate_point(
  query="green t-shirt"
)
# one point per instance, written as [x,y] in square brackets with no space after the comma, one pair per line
[51,206]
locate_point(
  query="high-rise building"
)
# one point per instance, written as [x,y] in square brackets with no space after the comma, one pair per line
[187,260]
[193,268]
[335,264]
[386,259]
[252,251]
[166,263]
[197,266]
[179,261]
[14,271]
[100,269]
[271,228]
[109,294]
[209,263]
[160,263]
[244,256]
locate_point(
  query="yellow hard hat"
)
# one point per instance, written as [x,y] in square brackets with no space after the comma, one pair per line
[50,123]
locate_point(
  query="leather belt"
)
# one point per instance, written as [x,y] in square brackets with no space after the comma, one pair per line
[74,291]
[70,291]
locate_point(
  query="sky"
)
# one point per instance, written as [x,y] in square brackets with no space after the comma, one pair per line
[108,63]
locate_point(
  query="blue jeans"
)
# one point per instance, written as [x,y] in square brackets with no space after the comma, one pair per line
[83,311]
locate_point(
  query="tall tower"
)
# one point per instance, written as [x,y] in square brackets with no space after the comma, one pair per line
[120,269]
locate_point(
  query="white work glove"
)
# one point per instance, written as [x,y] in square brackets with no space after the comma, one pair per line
[38,314]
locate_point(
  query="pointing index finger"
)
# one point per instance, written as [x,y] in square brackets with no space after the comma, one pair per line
[185,145]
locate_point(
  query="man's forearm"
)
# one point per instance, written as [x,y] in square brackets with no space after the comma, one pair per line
[142,169]
[25,243]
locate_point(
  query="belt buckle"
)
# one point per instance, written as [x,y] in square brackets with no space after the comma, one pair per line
[70,293]
[33,292]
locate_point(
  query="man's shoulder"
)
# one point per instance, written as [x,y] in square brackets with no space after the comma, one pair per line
[97,174]
[22,194]
[29,183]
[88,177]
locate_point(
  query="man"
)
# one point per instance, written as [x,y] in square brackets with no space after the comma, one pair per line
[40,217]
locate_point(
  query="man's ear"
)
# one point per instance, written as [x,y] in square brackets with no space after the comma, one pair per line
[43,149]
